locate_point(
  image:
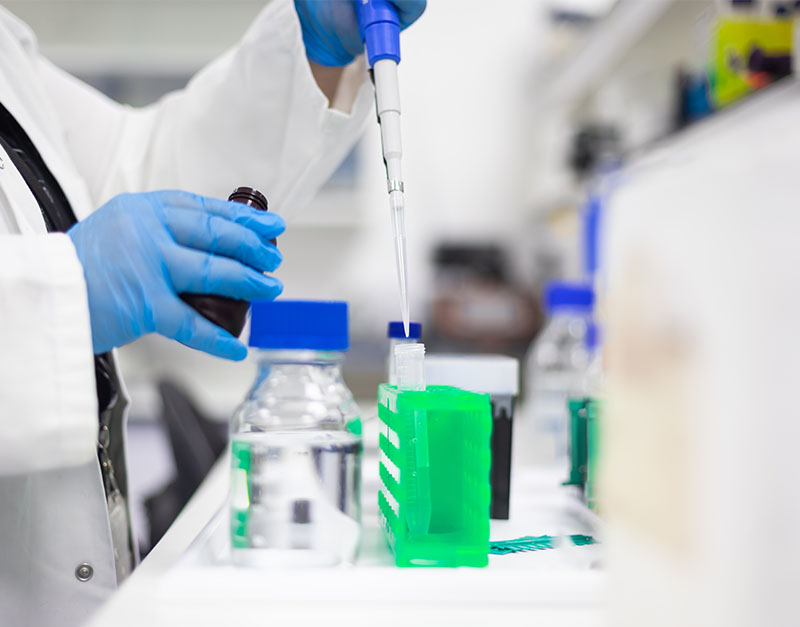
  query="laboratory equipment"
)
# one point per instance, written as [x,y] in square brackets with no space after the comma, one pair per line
[594,145]
[585,407]
[594,411]
[497,376]
[397,335]
[380,31]
[584,434]
[555,365]
[476,306]
[749,51]
[578,453]
[229,313]
[535,543]
[296,442]
[434,474]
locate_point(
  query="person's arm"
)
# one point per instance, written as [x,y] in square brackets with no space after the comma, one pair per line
[255,116]
[110,279]
[48,403]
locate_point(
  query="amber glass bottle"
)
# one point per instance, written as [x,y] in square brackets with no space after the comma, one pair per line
[228,313]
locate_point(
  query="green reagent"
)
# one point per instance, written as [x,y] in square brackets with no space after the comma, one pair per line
[434,469]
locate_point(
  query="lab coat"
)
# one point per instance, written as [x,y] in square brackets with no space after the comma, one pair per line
[254,117]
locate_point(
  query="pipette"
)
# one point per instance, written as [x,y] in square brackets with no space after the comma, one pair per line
[380,30]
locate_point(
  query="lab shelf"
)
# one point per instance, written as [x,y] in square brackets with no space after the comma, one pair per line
[187,578]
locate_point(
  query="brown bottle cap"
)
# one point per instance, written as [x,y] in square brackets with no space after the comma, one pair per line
[249,196]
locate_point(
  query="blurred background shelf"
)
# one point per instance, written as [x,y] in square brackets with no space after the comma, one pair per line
[606,44]
[619,74]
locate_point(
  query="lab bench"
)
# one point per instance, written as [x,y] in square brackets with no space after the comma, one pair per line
[187,578]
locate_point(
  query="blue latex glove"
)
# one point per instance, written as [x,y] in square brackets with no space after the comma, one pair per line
[330,27]
[139,251]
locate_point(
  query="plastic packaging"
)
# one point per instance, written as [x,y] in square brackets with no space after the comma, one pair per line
[556,363]
[296,442]
[228,313]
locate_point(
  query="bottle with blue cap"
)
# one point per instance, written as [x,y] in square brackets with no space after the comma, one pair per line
[555,364]
[296,442]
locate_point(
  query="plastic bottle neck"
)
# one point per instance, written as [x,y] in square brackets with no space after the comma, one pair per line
[310,357]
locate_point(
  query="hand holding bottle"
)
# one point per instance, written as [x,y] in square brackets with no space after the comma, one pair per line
[139,251]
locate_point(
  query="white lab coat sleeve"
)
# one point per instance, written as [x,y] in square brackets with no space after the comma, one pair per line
[48,402]
[255,116]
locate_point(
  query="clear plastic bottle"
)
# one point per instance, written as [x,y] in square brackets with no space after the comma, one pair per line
[296,442]
[555,365]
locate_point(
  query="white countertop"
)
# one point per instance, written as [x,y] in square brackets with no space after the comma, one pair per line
[187,580]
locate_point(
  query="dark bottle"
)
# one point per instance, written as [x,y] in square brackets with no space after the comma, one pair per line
[228,313]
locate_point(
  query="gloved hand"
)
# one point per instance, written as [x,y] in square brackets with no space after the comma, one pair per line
[139,251]
[330,27]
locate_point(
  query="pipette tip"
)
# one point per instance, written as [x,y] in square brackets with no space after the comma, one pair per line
[397,204]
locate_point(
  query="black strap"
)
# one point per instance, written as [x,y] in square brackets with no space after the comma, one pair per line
[56,211]
[59,216]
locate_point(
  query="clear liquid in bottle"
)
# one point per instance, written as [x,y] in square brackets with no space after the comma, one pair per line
[296,498]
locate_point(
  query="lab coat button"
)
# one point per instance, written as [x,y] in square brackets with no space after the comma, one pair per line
[84,572]
[2,164]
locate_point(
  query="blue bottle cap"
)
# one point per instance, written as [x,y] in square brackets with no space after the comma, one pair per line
[567,296]
[299,324]
[396,331]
